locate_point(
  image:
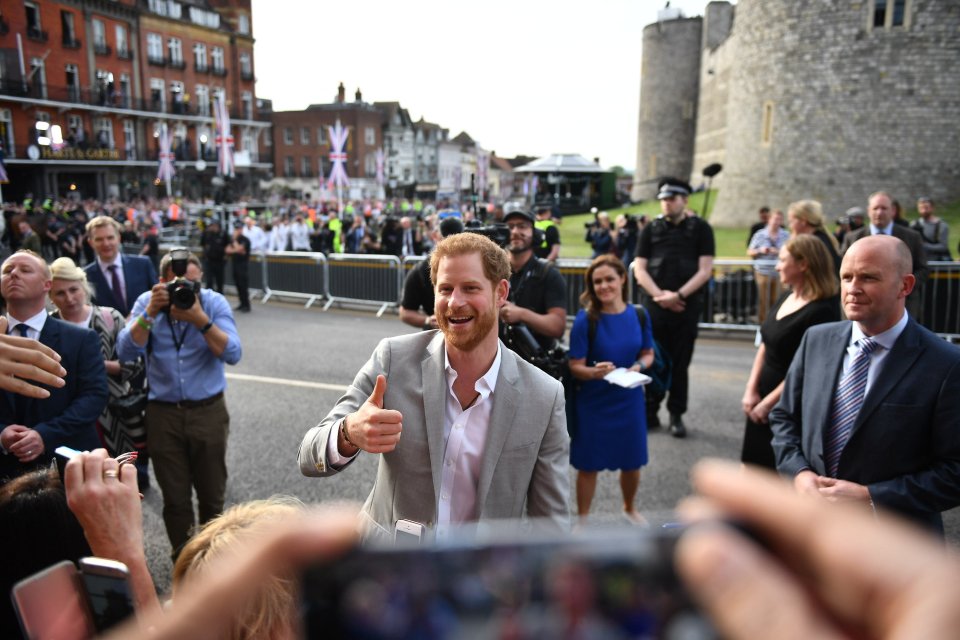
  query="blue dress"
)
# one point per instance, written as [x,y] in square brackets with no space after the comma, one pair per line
[612,433]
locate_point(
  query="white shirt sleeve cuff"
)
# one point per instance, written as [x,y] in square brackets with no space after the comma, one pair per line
[334,459]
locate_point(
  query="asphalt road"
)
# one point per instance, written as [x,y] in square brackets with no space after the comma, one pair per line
[297,362]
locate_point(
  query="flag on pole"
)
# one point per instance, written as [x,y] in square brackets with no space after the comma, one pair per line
[224,140]
[166,171]
[483,166]
[4,178]
[380,172]
[338,155]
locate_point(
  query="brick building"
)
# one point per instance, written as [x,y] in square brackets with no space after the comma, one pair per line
[87,85]
[301,145]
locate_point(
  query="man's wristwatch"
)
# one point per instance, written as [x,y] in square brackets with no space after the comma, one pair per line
[206,327]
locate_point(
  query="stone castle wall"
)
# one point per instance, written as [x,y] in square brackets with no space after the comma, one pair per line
[850,109]
[668,103]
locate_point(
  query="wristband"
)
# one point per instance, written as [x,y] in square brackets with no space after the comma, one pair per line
[145,322]
[343,432]
[206,327]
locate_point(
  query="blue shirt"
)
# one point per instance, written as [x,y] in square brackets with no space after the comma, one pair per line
[195,373]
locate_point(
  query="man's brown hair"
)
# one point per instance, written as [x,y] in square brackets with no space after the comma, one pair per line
[496,263]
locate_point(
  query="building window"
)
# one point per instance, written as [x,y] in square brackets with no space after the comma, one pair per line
[73,83]
[370,165]
[6,133]
[370,135]
[130,139]
[68,26]
[157,95]
[103,128]
[766,131]
[243,24]
[288,135]
[321,136]
[124,97]
[155,48]
[123,46]
[306,167]
[200,57]
[246,66]
[216,53]
[177,102]
[887,14]
[175,46]
[304,135]
[99,38]
[205,18]
[246,99]
[39,74]
[34,27]
[288,166]
[203,100]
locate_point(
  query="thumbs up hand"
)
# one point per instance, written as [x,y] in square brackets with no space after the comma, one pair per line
[371,428]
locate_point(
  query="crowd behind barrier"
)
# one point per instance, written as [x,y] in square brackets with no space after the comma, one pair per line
[377,281]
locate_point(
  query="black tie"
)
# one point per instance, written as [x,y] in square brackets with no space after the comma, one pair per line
[19,401]
[22,329]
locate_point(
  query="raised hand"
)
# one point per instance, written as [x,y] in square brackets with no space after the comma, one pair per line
[372,428]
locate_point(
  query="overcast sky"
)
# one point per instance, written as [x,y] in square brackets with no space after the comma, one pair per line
[529,77]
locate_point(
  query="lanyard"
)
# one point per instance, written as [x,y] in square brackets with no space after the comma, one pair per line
[178,343]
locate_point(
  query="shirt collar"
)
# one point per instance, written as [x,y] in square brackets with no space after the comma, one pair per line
[885,339]
[887,230]
[105,266]
[487,382]
[35,322]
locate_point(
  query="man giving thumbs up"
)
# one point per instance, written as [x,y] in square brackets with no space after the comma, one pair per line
[465,430]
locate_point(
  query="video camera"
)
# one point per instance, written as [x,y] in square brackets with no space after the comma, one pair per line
[520,339]
[496,232]
[183,292]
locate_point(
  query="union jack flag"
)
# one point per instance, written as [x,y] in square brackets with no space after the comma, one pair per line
[166,171]
[338,155]
[223,141]
[380,175]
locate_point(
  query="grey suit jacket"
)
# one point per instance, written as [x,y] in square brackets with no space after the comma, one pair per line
[905,443]
[524,470]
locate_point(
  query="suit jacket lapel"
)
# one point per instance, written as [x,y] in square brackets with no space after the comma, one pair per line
[827,372]
[906,350]
[506,399]
[434,406]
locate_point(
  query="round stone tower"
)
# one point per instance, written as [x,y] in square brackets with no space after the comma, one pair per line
[669,83]
[834,101]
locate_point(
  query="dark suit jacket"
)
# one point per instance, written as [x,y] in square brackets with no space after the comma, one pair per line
[913,240]
[138,276]
[68,417]
[905,444]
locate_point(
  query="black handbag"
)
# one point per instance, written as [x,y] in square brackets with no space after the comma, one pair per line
[129,407]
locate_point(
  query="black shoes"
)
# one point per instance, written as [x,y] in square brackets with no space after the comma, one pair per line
[242,308]
[653,420]
[677,428]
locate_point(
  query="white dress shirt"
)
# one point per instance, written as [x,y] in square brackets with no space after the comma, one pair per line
[464,437]
[34,324]
[876,231]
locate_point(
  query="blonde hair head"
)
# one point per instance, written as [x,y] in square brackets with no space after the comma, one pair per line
[66,269]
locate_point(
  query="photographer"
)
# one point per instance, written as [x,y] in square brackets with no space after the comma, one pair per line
[599,235]
[538,292]
[187,334]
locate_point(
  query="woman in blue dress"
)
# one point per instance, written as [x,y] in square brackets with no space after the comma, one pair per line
[612,432]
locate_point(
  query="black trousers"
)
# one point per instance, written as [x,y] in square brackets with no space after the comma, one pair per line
[241,278]
[214,270]
[677,333]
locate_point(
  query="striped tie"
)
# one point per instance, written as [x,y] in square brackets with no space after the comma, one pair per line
[847,402]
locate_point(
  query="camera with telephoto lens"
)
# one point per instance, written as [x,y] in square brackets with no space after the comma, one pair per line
[522,341]
[497,232]
[183,292]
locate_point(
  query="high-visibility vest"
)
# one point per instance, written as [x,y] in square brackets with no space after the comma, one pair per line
[336,225]
[543,225]
[174,211]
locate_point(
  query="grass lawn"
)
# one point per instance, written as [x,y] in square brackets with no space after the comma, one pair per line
[731,241]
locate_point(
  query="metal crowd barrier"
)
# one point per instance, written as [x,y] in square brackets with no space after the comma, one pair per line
[296,274]
[364,279]
[730,304]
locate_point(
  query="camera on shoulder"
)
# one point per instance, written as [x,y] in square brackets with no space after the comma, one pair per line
[183,292]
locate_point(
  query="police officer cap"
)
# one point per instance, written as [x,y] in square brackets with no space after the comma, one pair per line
[854,212]
[520,212]
[669,187]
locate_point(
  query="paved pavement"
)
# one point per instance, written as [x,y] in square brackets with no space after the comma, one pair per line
[297,362]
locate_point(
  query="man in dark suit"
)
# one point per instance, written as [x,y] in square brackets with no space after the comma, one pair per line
[30,429]
[117,279]
[869,406]
[881,212]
